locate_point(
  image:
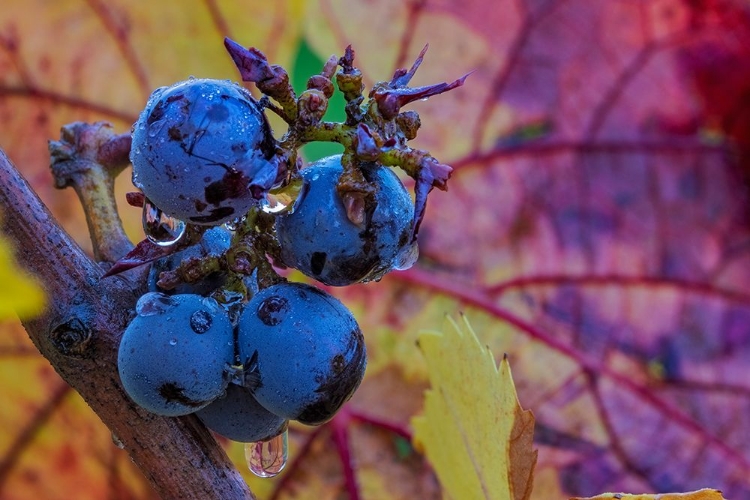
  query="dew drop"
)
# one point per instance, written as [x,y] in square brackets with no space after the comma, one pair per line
[160,228]
[155,128]
[200,321]
[153,303]
[267,458]
[406,258]
[211,304]
[117,441]
[286,199]
[173,341]
[233,224]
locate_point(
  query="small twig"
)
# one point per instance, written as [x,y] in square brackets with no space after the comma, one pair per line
[88,157]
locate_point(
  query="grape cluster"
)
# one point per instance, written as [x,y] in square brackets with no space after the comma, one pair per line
[220,333]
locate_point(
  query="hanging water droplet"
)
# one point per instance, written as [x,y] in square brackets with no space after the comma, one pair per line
[267,458]
[160,228]
[117,441]
[153,303]
[286,199]
[155,128]
[406,258]
[233,224]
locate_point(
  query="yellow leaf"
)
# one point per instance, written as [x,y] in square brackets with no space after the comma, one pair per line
[704,494]
[20,294]
[473,430]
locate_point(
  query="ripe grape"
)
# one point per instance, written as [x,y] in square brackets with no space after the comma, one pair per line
[173,354]
[239,417]
[203,151]
[303,351]
[319,239]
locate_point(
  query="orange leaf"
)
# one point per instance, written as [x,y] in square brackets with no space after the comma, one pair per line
[704,494]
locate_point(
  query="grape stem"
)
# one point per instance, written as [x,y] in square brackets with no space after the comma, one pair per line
[375,130]
[177,455]
[87,158]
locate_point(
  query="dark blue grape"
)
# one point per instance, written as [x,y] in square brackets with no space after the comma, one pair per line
[173,354]
[203,151]
[303,351]
[214,243]
[319,239]
[239,417]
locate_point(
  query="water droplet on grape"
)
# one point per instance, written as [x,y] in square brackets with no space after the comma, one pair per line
[233,224]
[267,458]
[211,304]
[173,341]
[200,321]
[160,228]
[284,200]
[153,303]
[406,258]
[155,128]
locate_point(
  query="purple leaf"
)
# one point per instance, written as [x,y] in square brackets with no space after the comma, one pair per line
[143,253]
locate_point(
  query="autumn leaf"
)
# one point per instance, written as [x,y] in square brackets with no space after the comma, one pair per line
[704,494]
[20,294]
[473,431]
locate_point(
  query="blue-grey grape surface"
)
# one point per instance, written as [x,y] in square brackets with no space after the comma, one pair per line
[318,238]
[303,351]
[173,354]
[239,417]
[202,151]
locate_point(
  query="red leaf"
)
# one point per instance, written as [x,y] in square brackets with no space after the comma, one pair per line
[143,253]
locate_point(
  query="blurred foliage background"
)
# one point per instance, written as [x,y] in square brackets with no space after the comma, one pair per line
[595,228]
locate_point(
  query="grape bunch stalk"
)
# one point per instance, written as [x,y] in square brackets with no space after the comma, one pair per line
[219,332]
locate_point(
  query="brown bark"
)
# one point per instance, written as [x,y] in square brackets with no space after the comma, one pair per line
[79,334]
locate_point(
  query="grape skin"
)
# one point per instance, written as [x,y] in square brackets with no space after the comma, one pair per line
[202,151]
[239,417]
[318,238]
[173,354]
[304,352]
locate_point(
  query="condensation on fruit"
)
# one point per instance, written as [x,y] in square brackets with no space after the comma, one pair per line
[153,303]
[233,224]
[285,200]
[407,257]
[267,458]
[211,304]
[155,128]
[160,228]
